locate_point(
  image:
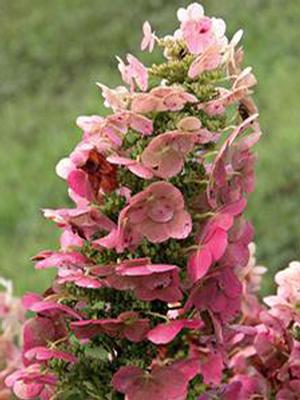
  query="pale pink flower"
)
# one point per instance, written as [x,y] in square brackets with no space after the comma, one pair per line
[251,278]
[157,213]
[252,274]
[199,31]
[288,291]
[134,73]
[148,41]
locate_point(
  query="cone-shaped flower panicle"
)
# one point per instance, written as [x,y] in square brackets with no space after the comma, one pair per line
[155,292]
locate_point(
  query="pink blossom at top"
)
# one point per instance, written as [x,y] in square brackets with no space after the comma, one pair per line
[128,325]
[134,73]
[165,382]
[157,213]
[148,41]
[199,31]
[194,10]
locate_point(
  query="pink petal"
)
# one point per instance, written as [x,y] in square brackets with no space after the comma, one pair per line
[124,377]
[217,244]
[199,264]
[212,369]
[165,333]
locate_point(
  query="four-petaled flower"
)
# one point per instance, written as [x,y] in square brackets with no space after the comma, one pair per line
[157,213]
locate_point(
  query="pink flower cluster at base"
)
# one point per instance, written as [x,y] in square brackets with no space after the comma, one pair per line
[12,315]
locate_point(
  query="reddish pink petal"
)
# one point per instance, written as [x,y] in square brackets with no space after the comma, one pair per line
[212,369]
[165,333]
[199,264]
[124,377]
[217,244]
[78,181]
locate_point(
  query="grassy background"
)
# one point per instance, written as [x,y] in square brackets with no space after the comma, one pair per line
[52,52]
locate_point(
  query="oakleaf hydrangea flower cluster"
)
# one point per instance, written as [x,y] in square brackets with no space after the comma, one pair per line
[155,294]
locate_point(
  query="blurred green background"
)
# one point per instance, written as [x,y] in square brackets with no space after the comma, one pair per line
[52,53]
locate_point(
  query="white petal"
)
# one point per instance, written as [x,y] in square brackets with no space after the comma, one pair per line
[182,14]
[195,11]
[147,28]
[237,37]
[64,167]
[219,27]
[177,34]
